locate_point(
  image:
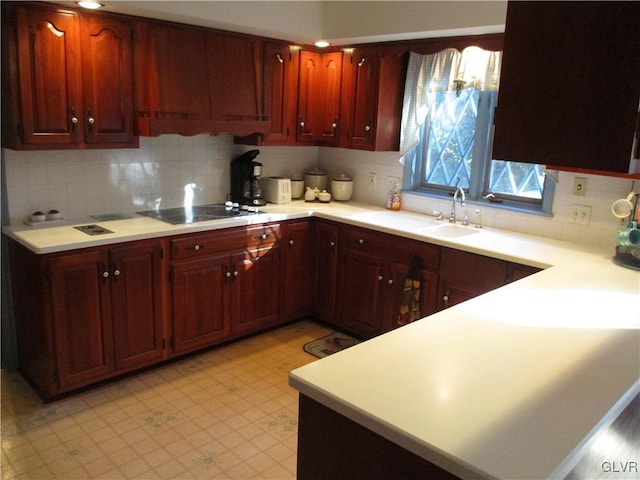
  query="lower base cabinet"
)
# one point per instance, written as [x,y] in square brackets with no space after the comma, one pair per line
[223,284]
[92,314]
[84,317]
[379,276]
[333,447]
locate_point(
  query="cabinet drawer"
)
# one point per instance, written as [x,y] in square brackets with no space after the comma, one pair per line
[391,246]
[262,235]
[225,240]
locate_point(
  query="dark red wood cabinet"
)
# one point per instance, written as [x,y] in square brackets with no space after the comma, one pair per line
[360,95]
[98,313]
[319,93]
[325,242]
[569,85]
[373,270]
[68,79]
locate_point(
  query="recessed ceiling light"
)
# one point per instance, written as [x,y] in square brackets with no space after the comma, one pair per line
[91,5]
[322,43]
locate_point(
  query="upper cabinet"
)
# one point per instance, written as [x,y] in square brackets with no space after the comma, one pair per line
[570,85]
[319,97]
[68,79]
[193,80]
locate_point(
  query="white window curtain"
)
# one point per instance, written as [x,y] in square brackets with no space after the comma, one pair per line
[445,70]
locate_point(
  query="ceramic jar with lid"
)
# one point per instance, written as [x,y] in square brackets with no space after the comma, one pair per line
[316,178]
[342,187]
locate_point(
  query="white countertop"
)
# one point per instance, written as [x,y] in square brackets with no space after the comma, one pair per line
[506,385]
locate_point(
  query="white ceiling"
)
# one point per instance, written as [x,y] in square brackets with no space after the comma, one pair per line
[340,22]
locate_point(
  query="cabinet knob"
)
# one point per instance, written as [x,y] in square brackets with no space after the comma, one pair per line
[197,247]
[235,273]
[74,120]
[290,242]
[334,125]
[390,281]
[445,300]
[379,278]
[105,274]
[332,243]
[228,274]
[116,272]
[264,236]
[301,124]
[361,241]
[367,128]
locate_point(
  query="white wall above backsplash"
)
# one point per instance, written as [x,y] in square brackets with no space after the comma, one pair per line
[85,182]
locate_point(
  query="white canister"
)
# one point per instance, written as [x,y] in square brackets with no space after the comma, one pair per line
[316,178]
[342,187]
[297,188]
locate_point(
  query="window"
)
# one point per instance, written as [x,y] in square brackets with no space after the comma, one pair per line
[452,121]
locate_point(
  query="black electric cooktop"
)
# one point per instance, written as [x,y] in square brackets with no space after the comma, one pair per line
[200,213]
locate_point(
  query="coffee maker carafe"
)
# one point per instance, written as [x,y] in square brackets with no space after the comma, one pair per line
[245,172]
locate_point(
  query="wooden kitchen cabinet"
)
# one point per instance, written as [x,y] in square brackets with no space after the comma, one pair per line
[68,79]
[319,92]
[98,313]
[236,82]
[325,245]
[298,276]
[466,275]
[172,79]
[223,284]
[360,94]
[280,86]
[569,90]
[374,267]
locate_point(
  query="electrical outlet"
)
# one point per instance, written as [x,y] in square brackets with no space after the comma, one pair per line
[580,186]
[391,183]
[373,179]
[580,214]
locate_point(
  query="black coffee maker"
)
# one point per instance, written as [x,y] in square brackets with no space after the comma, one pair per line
[245,172]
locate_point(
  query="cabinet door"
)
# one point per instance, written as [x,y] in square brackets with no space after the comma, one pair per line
[107,80]
[296,289]
[81,318]
[359,104]
[255,289]
[398,293]
[49,73]
[235,77]
[325,267]
[566,86]
[466,275]
[200,303]
[136,304]
[177,73]
[319,97]
[280,85]
[360,293]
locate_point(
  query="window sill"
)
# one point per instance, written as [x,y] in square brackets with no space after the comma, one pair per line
[505,205]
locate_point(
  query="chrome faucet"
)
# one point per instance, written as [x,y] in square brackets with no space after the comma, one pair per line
[452,216]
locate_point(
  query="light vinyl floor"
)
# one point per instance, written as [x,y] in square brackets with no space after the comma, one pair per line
[224,414]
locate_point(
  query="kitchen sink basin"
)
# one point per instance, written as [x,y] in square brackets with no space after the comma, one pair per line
[404,221]
[450,230]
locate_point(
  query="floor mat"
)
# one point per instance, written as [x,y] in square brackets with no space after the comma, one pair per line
[330,344]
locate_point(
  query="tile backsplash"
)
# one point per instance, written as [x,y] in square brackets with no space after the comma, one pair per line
[86,182]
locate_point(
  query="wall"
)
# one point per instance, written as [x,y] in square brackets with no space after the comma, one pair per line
[600,194]
[81,183]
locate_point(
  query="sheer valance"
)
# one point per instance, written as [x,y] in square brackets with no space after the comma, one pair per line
[448,69]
